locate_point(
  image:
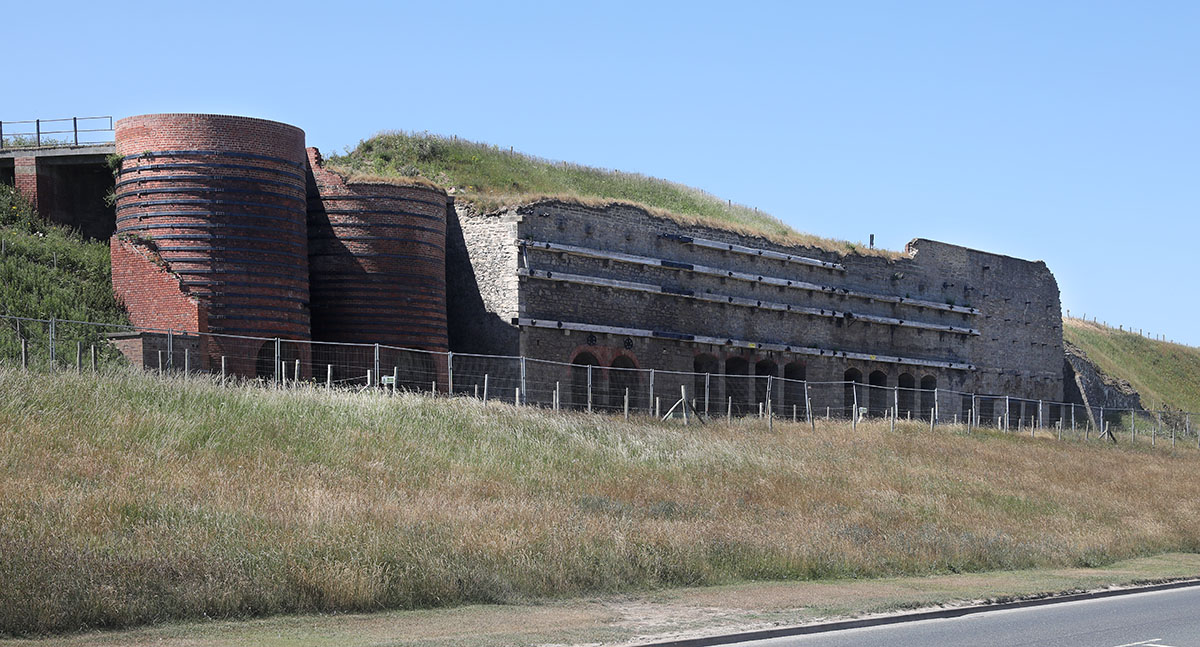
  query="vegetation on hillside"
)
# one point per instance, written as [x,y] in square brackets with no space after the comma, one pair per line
[129,499]
[1165,374]
[50,271]
[491,177]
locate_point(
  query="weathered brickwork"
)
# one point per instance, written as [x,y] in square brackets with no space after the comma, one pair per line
[221,201]
[941,316]
[377,260]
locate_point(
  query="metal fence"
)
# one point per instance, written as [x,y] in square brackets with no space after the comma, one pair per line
[38,133]
[64,344]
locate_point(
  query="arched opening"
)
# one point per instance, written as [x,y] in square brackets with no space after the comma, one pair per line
[907,385]
[793,390]
[623,377]
[850,399]
[579,379]
[928,394]
[762,369]
[265,363]
[704,389]
[878,396]
[737,384]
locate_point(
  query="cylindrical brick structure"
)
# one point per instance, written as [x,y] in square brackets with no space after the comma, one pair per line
[377,260]
[218,202]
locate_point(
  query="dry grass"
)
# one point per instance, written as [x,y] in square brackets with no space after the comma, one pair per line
[128,500]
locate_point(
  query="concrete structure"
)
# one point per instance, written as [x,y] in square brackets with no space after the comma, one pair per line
[614,286]
[66,184]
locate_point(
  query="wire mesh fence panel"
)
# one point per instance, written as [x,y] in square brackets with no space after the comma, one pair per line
[491,376]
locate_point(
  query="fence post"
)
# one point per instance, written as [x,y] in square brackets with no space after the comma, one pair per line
[854,414]
[78,357]
[812,423]
[657,409]
[160,363]
[936,408]
[683,401]
[517,396]
[651,400]
[75,127]
[729,410]
[589,378]
[52,353]
[187,361]
[1100,425]
[1041,415]
[1007,408]
[450,372]
[770,421]
[485,388]
[377,376]
[296,376]
[222,369]
[24,354]
[278,359]
[627,403]
[557,395]
[895,405]
[329,376]
[93,358]
[171,349]
[525,394]
[706,386]
[932,417]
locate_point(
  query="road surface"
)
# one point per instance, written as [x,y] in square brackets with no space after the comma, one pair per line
[1159,619]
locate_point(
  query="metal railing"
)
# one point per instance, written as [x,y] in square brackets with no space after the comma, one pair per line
[57,344]
[43,133]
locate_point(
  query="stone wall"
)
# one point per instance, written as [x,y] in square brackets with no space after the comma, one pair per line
[615,284]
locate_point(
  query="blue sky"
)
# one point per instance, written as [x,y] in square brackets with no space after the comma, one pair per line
[1060,131]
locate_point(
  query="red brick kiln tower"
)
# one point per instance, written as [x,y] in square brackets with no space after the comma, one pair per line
[377,260]
[211,233]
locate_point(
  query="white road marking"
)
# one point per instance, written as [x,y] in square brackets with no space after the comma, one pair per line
[1153,642]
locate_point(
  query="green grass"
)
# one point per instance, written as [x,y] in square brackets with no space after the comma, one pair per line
[50,271]
[1164,373]
[130,500]
[490,177]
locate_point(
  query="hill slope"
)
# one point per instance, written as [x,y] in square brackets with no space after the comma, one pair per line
[49,271]
[1165,374]
[490,177]
[185,499]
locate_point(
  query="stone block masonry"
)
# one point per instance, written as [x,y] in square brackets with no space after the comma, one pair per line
[614,286]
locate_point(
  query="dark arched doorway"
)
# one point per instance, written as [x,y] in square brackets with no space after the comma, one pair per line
[581,366]
[878,396]
[928,395]
[850,396]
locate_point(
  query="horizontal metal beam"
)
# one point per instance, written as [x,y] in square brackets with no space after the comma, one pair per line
[741,343]
[754,251]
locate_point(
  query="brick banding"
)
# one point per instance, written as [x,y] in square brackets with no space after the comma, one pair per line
[193,190]
[377,261]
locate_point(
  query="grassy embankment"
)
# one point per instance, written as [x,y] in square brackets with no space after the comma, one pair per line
[129,500]
[50,271]
[491,177]
[1165,374]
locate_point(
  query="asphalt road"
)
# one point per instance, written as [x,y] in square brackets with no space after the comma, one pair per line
[1159,619]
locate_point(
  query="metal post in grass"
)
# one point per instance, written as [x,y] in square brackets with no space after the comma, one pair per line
[706,392]
[485,388]
[52,354]
[651,386]
[78,357]
[936,408]
[808,406]
[329,376]
[160,363]
[24,355]
[683,402]
[395,378]
[895,405]
[627,403]
[970,415]
[729,410]
[278,358]
[296,375]
[377,375]
[657,408]
[932,418]
[854,414]
[1007,408]
[450,372]
[93,358]
[589,385]
[1041,415]
[525,393]
[794,412]
[223,369]
[370,378]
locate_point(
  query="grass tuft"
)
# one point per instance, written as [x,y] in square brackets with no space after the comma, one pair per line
[1165,374]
